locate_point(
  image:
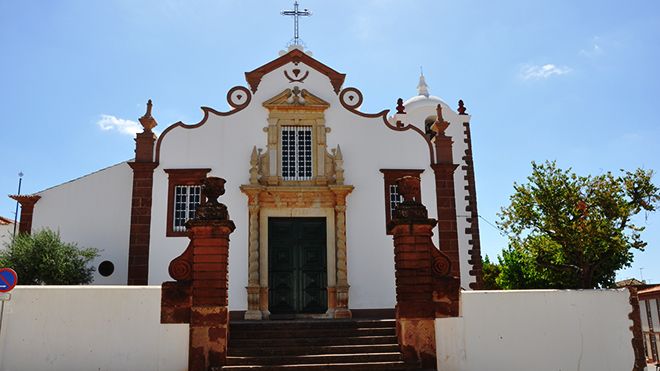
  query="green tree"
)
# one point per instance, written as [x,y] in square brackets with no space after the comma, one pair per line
[570,231]
[43,259]
[491,271]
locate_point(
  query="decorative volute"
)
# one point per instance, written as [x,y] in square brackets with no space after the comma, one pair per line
[296,99]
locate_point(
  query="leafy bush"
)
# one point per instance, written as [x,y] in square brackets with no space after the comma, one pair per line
[43,259]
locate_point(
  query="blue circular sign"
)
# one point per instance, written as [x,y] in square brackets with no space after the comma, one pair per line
[8,279]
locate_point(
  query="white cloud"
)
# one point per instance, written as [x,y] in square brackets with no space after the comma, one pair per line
[545,71]
[110,123]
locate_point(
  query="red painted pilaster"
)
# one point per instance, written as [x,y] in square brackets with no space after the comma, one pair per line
[27,211]
[143,176]
[443,169]
[425,287]
[199,296]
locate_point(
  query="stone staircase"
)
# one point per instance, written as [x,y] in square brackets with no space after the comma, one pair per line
[358,344]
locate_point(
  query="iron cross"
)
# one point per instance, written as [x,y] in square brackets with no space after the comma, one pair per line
[296,13]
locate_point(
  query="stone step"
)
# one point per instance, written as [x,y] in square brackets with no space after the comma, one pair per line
[389,366]
[303,333]
[310,324]
[316,359]
[311,341]
[308,350]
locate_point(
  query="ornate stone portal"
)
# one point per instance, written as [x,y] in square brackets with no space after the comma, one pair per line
[322,194]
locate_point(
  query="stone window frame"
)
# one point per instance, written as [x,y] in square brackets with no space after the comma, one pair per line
[180,177]
[389,179]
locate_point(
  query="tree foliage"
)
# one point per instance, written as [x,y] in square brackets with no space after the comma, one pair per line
[570,231]
[43,259]
[491,271]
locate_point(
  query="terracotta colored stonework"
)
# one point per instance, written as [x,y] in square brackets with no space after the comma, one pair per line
[143,177]
[443,169]
[27,211]
[475,243]
[637,340]
[199,294]
[425,285]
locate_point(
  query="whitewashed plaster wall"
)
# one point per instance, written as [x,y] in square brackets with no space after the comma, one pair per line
[92,211]
[6,233]
[540,330]
[224,144]
[71,328]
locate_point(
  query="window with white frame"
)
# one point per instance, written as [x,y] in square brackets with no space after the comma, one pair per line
[186,200]
[395,198]
[184,194]
[296,152]
[392,196]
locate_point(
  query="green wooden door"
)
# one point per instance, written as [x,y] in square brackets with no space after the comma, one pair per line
[297,265]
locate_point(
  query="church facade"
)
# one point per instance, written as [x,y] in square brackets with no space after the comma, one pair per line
[311,183]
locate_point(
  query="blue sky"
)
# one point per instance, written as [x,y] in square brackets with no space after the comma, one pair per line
[575,82]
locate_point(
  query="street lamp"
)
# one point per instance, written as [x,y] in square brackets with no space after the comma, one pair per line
[20,180]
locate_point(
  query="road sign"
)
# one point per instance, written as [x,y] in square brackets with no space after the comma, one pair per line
[8,279]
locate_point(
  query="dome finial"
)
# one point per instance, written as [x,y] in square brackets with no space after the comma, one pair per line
[422,88]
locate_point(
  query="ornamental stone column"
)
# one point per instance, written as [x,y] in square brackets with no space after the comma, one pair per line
[340,299]
[199,294]
[143,179]
[443,169]
[425,287]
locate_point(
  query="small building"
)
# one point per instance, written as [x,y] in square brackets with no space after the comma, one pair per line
[649,305]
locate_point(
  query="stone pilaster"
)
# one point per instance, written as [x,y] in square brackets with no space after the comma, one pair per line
[425,288]
[443,169]
[341,289]
[27,211]
[253,289]
[199,296]
[143,178]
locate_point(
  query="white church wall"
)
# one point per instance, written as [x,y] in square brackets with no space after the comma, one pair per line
[92,211]
[224,144]
[6,233]
[71,328]
[537,330]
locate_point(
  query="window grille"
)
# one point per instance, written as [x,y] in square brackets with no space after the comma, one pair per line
[186,200]
[296,155]
[395,198]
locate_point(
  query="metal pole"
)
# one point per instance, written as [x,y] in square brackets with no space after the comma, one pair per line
[20,180]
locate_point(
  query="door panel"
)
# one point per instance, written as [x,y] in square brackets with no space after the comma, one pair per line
[297,265]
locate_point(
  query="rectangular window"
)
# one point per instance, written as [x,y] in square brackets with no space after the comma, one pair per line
[186,200]
[395,198]
[392,195]
[184,194]
[296,152]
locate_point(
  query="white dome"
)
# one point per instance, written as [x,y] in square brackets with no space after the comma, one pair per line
[423,101]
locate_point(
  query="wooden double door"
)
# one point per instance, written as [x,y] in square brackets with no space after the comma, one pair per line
[297,265]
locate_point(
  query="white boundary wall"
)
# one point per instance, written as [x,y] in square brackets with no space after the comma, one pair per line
[538,330]
[72,328]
